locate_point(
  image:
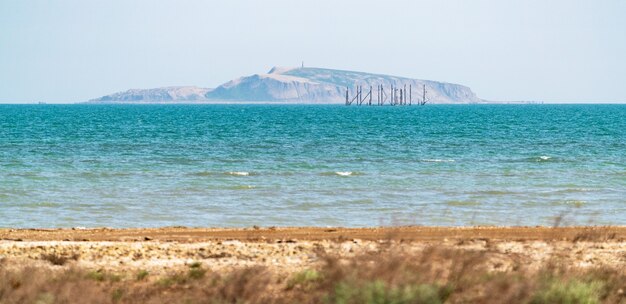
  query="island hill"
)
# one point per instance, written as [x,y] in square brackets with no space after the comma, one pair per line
[296,85]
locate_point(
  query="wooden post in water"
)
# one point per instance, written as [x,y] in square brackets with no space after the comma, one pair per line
[405,96]
[356,95]
[410,95]
[395,95]
[383,95]
[367,98]
[361,94]
[346,95]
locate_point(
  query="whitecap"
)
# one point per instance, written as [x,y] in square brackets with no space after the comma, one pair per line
[438,160]
[239,173]
[543,157]
[343,173]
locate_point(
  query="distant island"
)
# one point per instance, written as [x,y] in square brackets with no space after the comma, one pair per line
[294,85]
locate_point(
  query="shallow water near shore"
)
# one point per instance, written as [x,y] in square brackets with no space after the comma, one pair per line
[244,165]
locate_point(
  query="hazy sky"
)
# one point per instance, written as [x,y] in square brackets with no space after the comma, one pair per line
[551,50]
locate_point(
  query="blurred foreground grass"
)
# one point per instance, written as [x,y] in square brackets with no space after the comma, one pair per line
[436,275]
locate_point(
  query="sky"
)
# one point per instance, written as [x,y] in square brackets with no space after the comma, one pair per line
[514,50]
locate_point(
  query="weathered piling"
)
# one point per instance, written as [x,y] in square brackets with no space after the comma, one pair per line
[397,95]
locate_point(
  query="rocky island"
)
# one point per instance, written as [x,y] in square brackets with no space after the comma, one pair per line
[295,85]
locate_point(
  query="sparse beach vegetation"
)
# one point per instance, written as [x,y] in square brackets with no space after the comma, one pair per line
[344,272]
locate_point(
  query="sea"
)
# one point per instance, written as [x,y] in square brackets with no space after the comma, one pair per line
[311,165]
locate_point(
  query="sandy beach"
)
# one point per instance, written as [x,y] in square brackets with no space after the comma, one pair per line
[292,249]
[313,264]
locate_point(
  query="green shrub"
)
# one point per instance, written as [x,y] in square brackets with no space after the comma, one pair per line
[304,278]
[96,275]
[102,276]
[569,292]
[196,273]
[378,292]
[142,275]
[117,294]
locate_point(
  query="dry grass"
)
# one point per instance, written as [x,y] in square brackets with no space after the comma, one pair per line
[387,276]
[59,259]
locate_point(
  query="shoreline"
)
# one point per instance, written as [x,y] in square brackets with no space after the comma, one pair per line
[269,234]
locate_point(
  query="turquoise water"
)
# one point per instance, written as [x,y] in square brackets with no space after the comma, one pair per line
[244,165]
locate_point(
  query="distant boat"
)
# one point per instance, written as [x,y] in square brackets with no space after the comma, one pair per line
[41,102]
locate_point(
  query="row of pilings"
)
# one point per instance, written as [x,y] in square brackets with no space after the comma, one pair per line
[396,96]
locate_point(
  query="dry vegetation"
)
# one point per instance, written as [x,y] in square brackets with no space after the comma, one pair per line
[434,275]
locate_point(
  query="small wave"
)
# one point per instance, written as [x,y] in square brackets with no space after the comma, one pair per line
[241,187]
[41,204]
[213,173]
[576,203]
[536,159]
[575,190]
[541,158]
[343,173]
[462,203]
[569,203]
[202,173]
[238,173]
[309,206]
[362,202]
[438,160]
[494,192]
[90,174]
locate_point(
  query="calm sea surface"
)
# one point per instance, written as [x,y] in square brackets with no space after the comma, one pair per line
[244,165]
